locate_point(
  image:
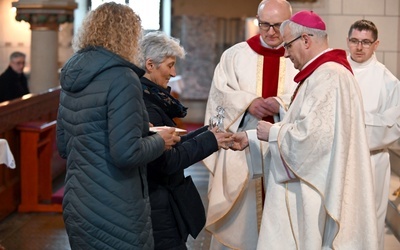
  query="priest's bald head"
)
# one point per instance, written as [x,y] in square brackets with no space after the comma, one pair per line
[270,15]
[304,36]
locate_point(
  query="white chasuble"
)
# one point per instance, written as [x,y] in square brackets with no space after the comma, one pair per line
[320,192]
[232,211]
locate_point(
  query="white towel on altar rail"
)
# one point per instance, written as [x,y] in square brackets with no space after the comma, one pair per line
[6,156]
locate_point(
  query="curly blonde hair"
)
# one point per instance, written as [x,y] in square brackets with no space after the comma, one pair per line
[113,26]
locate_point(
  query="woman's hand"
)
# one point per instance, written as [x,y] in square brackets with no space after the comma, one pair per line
[224,139]
[169,136]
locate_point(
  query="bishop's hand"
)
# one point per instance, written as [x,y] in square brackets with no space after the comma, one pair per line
[240,141]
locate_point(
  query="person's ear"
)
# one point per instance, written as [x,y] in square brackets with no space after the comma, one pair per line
[149,65]
[376,45]
[307,40]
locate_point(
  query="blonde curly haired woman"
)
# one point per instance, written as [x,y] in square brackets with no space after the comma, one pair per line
[103,132]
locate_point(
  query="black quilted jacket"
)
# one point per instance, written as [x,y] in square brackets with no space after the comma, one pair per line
[102,131]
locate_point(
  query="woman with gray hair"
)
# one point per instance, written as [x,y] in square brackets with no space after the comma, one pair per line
[174,214]
[103,132]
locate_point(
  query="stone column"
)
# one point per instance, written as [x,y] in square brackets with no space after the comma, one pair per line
[44,16]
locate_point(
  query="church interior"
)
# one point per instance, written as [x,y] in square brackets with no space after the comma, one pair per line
[31,192]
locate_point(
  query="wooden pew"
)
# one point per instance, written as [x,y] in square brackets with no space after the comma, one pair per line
[32,107]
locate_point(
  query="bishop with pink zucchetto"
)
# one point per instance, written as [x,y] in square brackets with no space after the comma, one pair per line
[318,159]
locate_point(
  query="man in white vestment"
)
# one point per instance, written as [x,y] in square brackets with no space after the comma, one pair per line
[320,191]
[381,94]
[252,81]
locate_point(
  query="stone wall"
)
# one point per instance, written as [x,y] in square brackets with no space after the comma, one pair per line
[204,39]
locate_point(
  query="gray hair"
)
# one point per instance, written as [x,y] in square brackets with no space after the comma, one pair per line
[157,46]
[297,30]
[17,54]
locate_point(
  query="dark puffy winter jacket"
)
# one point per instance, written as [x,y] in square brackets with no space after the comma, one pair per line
[102,131]
[167,172]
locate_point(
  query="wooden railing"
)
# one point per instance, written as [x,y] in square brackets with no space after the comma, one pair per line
[32,107]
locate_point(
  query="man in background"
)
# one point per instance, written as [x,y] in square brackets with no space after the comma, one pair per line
[381,96]
[253,81]
[13,82]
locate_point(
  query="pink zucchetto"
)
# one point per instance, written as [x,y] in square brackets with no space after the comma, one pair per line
[308,19]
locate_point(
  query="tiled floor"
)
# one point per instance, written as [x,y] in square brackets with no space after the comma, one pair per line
[45,231]
[391,242]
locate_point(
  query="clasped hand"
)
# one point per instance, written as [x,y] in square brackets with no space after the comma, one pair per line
[261,107]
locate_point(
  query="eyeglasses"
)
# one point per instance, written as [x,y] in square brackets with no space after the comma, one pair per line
[266,26]
[365,43]
[288,45]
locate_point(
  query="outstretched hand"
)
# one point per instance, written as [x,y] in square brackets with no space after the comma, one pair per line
[224,139]
[240,141]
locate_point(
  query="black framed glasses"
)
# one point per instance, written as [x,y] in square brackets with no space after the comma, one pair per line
[288,45]
[365,43]
[266,26]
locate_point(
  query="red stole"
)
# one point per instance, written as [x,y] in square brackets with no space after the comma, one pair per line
[335,55]
[270,67]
